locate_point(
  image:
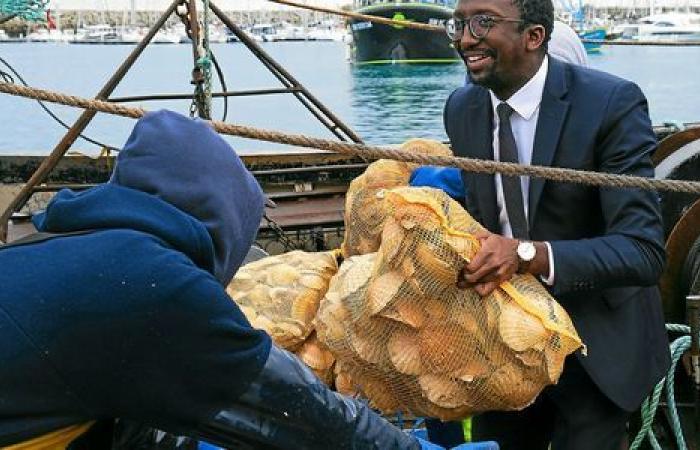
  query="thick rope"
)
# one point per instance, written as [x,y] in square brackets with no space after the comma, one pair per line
[650,405]
[375,19]
[372,152]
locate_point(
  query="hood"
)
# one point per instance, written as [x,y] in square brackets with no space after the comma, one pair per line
[187,164]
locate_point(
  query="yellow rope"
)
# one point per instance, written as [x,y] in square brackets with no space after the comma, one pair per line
[372,152]
[56,440]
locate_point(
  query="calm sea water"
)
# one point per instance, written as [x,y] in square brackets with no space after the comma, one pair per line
[384,104]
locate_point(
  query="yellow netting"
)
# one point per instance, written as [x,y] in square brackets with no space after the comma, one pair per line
[280,294]
[412,341]
[364,211]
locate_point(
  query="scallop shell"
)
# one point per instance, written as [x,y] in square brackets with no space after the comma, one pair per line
[411,215]
[248,312]
[531,358]
[313,281]
[441,347]
[379,394]
[372,211]
[444,391]
[408,268]
[519,329]
[282,296]
[366,346]
[462,245]
[437,268]
[368,245]
[444,414]
[345,385]
[243,281]
[305,306]
[334,317]
[475,365]
[286,334]
[315,354]
[435,308]
[263,323]
[410,313]
[555,363]
[382,291]
[258,297]
[510,389]
[404,353]
[282,275]
[470,320]
[392,240]
[426,146]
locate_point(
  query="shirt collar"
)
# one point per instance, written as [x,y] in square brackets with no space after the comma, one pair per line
[528,98]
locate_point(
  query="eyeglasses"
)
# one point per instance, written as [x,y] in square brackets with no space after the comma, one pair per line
[479,25]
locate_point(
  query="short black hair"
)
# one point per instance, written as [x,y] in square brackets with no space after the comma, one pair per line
[537,12]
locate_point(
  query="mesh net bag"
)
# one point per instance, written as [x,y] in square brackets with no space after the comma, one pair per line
[414,342]
[364,211]
[280,294]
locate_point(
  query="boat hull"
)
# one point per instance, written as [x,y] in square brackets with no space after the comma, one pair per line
[389,44]
[597,34]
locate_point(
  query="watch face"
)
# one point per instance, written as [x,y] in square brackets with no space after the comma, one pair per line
[526,251]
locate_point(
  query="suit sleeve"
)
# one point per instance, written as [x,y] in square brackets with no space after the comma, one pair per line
[455,101]
[631,252]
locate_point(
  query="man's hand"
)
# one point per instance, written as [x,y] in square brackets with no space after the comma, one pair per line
[494,263]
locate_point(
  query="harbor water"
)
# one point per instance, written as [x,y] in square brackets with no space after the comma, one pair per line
[383,104]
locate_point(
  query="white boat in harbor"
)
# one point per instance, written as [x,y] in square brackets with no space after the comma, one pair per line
[262,32]
[328,30]
[44,35]
[667,27]
[99,34]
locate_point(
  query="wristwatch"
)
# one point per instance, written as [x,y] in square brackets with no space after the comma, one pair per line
[526,253]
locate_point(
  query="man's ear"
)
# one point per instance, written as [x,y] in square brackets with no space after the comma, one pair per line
[534,37]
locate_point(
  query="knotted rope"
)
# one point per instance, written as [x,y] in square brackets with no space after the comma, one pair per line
[650,405]
[31,10]
[373,152]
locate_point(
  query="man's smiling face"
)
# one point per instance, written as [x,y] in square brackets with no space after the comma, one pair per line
[504,58]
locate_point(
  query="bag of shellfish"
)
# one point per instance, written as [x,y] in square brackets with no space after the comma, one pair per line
[280,294]
[414,342]
[364,211]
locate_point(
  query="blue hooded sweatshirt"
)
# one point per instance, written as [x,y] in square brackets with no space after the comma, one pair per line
[132,320]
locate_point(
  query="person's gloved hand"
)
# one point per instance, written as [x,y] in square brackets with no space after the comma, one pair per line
[426,445]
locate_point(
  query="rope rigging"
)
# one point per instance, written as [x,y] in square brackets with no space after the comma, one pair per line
[650,405]
[7,78]
[374,152]
[204,64]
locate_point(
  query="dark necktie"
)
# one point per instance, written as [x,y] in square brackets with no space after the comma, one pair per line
[512,191]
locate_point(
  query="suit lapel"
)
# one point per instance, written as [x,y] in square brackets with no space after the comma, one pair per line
[553,112]
[481,146]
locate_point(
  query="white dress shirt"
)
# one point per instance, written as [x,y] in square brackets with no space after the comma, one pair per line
[526,110]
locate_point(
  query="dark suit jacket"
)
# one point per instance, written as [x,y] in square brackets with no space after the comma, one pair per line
[607,243]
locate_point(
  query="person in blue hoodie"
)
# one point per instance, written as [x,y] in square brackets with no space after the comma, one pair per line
[122,312]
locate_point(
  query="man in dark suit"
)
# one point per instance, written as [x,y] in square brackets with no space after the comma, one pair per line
[599,250]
